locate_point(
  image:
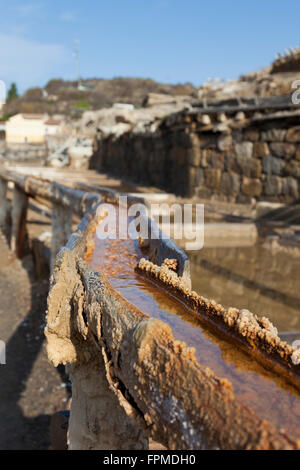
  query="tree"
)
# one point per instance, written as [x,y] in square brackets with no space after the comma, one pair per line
[12,92]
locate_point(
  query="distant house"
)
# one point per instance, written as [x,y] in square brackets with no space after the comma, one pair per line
[26,128]
[52,126]
[128,106]
[85,87]
[30,128]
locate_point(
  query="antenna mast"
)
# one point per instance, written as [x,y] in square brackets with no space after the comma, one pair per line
[76,60]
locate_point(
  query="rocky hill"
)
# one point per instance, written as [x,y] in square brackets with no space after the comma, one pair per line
[274,80]
[73,98]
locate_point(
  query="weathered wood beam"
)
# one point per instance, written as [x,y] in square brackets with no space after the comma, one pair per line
[61,221]
[3,204]
[19,213]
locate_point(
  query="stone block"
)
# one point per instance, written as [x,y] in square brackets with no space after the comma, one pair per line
[205,157]
[272,165]
[293,134]
[194,156]
[290,187]
[204,119]
[230,183]
[230,162]
[237,136]
[248,167]
[244,149]
[224,142]
[282,149]
[297,155]
[189,190]
[264,207]
[243,199]
[216,160]
[252,135]
[212,177]
[292,168]
[273,186]
[199,180]
[273,135]
[251,186]
[204,192]
[194,139]
[260,150]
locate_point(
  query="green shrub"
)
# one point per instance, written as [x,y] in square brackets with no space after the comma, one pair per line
[83,105]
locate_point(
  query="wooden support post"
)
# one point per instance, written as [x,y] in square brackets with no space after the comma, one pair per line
[97,421]
[3,205]
[19,213]
[61,229]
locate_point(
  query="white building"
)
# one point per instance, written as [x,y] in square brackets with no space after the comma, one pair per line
[53,126]
[31,128]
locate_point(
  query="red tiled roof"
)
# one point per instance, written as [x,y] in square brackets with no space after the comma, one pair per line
[33,116]
[52,122]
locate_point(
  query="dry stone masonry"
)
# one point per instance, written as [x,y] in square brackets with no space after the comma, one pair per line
[231,151]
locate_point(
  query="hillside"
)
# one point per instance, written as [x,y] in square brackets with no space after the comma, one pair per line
[62,97]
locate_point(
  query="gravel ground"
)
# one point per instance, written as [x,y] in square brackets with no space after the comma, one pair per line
[31,389]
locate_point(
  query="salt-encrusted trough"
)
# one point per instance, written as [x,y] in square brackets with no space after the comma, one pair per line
[131,378]
[119,355]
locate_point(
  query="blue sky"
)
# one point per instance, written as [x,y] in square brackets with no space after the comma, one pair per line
[169,40]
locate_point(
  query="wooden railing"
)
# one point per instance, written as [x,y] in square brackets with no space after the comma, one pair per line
[131,379]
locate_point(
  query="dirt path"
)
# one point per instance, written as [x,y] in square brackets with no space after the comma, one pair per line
[31,389]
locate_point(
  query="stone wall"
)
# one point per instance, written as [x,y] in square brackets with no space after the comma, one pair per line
[234,158]
[22,152]
[287,63]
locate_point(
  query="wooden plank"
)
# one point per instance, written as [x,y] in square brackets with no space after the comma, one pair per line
[19,214]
